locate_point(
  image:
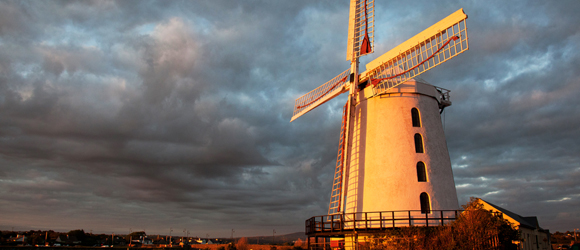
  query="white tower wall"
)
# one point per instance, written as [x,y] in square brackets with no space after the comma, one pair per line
[382,175]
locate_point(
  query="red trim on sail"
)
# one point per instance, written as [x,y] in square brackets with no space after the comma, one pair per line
[374,82]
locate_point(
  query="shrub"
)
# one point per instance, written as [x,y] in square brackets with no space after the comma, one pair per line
[231,246]
[242,244]
[299,244]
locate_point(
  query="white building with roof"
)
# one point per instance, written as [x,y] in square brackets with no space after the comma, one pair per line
[533,236]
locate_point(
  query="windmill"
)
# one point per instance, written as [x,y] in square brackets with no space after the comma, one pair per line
[392,152]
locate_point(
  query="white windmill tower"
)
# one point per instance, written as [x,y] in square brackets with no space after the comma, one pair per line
[392,153]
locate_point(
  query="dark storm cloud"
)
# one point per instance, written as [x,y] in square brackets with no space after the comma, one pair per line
[159,115]
[512,129]
[125,112]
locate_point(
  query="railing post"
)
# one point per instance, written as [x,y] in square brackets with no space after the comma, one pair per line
[393,218]
[332,223]
[316,242]
[341,222]
[313,225]
[409,217]
[366,222]
[381,220]
[441,217]
[427,219]
[354,221]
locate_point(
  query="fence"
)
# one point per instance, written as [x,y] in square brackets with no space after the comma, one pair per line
[372,221]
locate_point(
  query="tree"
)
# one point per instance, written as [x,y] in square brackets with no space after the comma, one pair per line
[84,238]
[231,246]
[299,244]
[135,236]
[242,244]
[477,228]
[474,229]
[79,234]
[33,238]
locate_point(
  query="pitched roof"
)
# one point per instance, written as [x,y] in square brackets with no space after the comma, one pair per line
[529,221]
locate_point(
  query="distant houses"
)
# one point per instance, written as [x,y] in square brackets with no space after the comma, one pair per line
[20,239]
[167,241]
[67,240]
[203,241]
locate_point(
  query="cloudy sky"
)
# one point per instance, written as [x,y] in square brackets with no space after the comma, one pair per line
[152,115]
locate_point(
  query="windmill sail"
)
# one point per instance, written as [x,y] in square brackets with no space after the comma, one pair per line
[320,95]
[361,28]
[433,46]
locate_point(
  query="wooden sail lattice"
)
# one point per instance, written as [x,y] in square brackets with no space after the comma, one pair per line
[428,49]
[335,196]
[362,23]
[320,95]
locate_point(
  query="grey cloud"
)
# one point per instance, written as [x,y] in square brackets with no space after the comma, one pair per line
[178,112]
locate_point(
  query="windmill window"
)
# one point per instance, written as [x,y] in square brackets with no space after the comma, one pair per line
[415,117]
[418,143]
[425,204]
[421,172]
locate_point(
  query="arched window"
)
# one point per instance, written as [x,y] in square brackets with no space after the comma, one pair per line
[415,117]
[421,172]
[418,143]
[425,204]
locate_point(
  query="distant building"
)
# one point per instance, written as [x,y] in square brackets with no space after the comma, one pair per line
[534,237]
[204,241]
[66,240]
[19,238]
[147,241]
[160,241]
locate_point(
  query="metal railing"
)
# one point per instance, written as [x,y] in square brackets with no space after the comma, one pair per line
[444,99]
[372,221]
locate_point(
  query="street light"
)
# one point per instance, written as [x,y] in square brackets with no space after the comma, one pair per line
[130,237]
